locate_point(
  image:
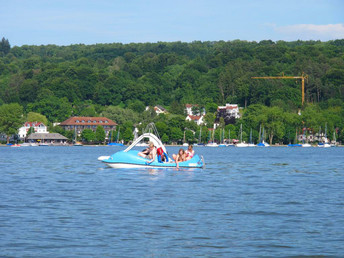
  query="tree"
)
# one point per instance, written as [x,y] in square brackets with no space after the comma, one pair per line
[164,138]
[127,135]
[30,131]
[5,46]
[100,134]
[11,119]
[88,135]
[36,117]
[176,134]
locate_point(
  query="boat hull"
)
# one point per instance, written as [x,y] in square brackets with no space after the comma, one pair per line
[131,159]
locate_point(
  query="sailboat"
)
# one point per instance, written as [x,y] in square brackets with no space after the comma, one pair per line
[116,143]
[305,144]
[199,138]
[222,144]
[241,143]
[295,144]
[325,143]
[229,139]
[251,144]
[212,143]
[334,140]
[262,142]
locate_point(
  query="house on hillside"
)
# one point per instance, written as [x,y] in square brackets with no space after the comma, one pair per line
[79,123]
[158,109]
[189,110]
[38,127]
[197,119]
[229,113]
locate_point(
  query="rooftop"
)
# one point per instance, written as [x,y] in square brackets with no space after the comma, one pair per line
[85,120]
[46,136]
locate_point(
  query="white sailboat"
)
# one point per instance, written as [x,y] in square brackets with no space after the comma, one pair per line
[251,144]
[305,144]
[241,144]
[325,143]
[212,143]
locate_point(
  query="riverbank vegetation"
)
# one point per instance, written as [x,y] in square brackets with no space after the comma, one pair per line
[119,80]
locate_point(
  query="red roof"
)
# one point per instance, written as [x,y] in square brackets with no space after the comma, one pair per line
[32,124]
[228,107]
[191,105]
[86,120]
[194,117]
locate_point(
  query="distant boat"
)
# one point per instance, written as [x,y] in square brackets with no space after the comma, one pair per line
[325,143]
[212,143]
[222,144]
[251,144]
[305,144]
[334,140]
[262,142]
[78,144]
[294,145]
[115,144]
[241,143]
[15,145]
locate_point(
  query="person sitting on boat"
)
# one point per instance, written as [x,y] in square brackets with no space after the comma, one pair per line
[149,153]
[189,153]
[180,157]
[162,156]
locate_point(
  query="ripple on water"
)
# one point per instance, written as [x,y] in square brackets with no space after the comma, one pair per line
[254,202]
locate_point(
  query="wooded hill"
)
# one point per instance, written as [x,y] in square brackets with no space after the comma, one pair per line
[60,81]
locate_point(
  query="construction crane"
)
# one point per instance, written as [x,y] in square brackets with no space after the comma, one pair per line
[302,77]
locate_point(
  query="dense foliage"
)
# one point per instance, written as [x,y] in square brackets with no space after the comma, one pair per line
[120,80]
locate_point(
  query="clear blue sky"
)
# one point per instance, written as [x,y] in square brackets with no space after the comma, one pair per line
[65,22]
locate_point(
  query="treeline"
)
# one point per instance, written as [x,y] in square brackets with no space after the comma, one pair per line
[89,80]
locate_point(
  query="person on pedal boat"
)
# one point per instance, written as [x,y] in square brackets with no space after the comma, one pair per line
[149,153]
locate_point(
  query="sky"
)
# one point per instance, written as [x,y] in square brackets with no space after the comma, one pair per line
[66,22]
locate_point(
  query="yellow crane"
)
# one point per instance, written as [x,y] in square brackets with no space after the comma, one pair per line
[302,77]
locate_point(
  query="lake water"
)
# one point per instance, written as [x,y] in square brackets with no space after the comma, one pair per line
[61,201]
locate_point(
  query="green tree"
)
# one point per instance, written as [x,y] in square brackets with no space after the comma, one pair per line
[128,134]
[100,134]
[164,138]
[30,131]
[36,117]
[176,134]
[11,119]
[5,46]
[88,135]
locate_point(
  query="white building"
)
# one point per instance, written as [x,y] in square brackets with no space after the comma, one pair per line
[158,109]
[188,110]
[39,127]
[231,110]
[197,119]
